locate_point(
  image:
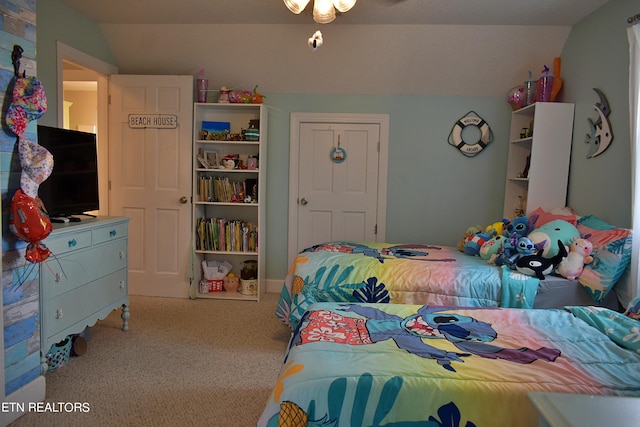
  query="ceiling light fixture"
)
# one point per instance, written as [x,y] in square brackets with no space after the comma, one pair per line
[324,11]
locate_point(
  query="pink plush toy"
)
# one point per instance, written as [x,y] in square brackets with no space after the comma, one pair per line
[579,254]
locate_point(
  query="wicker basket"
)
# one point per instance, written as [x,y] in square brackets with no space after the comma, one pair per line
[58,354]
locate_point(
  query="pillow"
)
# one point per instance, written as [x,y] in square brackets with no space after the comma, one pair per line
[541,217]
[611,255]
[621,329]
[633,309]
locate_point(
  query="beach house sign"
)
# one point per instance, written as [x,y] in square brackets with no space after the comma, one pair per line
[154,121]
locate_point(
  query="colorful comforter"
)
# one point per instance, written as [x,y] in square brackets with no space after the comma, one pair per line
[410,365]
[404,274]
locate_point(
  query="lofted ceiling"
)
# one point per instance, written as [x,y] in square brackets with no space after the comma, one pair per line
[445,12]
[436,47]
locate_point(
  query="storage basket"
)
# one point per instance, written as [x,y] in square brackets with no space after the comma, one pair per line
[59,354]
[215,285]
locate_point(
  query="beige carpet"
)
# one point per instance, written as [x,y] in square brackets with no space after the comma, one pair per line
[182,363]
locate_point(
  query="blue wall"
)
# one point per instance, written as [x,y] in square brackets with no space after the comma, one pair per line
[434,192]
[596,55]
[19,279]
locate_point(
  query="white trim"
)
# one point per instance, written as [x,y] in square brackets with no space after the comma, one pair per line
[65,52]
[33,392]
[294,137]
[100,71]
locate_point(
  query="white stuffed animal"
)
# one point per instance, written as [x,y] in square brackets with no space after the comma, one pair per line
[579,254]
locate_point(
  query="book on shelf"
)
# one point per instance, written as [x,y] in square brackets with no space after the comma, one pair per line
[220,234]
[223,189]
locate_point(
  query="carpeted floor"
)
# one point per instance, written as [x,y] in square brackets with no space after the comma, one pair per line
[182,363]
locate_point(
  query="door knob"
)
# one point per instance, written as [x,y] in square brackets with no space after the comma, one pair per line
[183,200]
[304,201]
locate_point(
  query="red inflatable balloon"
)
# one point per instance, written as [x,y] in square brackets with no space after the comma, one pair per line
[29,222]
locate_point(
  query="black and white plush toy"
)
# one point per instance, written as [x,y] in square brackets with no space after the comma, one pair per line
[315,41]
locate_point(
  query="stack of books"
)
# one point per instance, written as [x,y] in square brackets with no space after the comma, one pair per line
[220,234]
[222,189]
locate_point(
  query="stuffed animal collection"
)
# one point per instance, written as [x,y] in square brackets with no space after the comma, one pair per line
[579,254]
[553,247]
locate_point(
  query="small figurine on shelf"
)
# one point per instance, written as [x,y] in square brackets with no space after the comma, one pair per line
[231,282]
[224,95]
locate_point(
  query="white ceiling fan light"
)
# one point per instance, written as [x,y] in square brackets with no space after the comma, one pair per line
[296,6]
[344,5]
[323,11]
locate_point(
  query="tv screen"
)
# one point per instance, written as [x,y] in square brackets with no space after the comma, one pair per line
[72,187]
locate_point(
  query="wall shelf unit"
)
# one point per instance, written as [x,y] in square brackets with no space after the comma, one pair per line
[539,154]
[229,199]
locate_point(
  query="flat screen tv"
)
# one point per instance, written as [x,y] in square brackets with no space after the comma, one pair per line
[72,187]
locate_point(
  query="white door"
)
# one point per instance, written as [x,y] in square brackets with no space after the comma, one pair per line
[150,179]
[340,190]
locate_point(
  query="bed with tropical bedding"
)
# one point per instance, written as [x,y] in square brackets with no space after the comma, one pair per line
[362,364]
[441,275]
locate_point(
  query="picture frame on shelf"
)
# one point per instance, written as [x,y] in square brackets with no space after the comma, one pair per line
[213,158]
[203,161]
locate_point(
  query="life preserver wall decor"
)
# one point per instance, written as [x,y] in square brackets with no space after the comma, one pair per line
[470,148]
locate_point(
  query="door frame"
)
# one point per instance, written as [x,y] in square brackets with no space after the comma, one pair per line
[294,149]
[102,72]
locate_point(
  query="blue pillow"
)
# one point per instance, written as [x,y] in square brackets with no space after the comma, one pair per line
[611,255]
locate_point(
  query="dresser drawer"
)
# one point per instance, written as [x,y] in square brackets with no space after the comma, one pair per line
[111,232]
[67,309]
[79,268]
[68,242]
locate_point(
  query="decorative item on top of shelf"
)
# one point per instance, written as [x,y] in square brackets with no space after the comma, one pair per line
[223,98]
[470,147]
[601,135]
[246,96]
[529,90]
[515,98]
[544,86]
[557,81]
[202,84]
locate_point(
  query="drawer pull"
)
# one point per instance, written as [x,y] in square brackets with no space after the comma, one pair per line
[121,284]
[72,243]
[113,233]
[57,277]
[59,313]
[121,254]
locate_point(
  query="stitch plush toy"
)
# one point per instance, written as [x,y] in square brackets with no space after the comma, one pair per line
[579,254]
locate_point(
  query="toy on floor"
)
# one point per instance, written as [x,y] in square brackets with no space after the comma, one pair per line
[579,255]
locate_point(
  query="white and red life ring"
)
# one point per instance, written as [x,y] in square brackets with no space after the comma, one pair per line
[466,148]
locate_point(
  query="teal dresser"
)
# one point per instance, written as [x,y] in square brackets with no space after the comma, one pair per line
[84,279]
